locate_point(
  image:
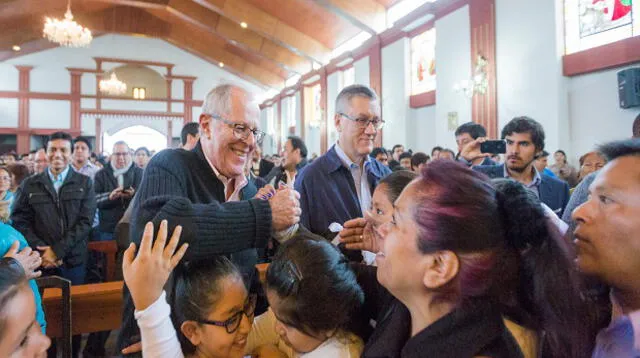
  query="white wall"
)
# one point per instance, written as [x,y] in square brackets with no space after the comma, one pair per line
[50,75]
[332,92]
[453,63]
[395,92]
[8,112]
[298,99]
[362,71]
[594,112]
[422,129]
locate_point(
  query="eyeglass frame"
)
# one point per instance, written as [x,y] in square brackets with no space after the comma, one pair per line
[250,305]
[359,123]
[257,134]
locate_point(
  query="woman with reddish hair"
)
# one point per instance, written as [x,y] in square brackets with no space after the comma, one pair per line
[461,253]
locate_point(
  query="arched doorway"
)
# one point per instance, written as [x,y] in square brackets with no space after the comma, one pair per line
[136,136]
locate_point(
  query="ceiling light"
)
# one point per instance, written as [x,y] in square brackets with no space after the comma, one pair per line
[243,25]
[66,32]
[221,64]
[113,86]
[16,48]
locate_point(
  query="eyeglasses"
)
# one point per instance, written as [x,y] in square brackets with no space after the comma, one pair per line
[240,131]
[364,122]
[121,154]
[233,323]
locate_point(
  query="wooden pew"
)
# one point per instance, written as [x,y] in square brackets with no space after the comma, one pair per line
[109,248]
[94,307]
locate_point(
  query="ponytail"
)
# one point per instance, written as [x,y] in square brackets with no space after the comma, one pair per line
[546,289]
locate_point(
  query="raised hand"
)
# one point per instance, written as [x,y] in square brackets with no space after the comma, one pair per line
[148,272]
[359,234]
[471,150]
[29,260]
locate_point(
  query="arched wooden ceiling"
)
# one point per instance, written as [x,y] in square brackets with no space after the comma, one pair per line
[283,37]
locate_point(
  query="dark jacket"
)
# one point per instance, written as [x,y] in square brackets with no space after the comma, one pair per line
[181,187]
[328,193]
[62,221]
[474,329]
[111,211]
[553,192]
[265,168]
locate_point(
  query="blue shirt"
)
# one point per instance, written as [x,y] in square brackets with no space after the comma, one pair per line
[363,189]
[548,172]
[57,181]
[621,339]
[534,186]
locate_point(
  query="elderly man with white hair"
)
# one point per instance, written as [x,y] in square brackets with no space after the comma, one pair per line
[206,192]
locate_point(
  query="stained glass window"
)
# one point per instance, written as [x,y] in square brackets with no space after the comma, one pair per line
[592,23]
[423,62]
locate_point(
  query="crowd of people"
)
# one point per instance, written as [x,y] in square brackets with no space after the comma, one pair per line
[372,253]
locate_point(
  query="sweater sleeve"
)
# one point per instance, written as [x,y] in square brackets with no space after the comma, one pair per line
[22,216]
[158,336]
[210,229]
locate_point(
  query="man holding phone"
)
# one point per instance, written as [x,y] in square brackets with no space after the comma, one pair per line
[524,142]
[467,133]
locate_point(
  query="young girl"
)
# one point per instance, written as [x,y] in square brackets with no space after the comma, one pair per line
[20,333]
[209,303]
[313,297]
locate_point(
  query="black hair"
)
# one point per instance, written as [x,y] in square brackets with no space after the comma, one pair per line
[304,267]
[189,128]
[396,146]
[33,151]
[438,148]
[453,154]
[62,135]
[543,154]
[376,151]
[635,129]
[12,278]
[404,155]
[298,143]
[419,158]
[526,125]
[84,140]
[144,149]
[621,148]
[475,130]
[562,152]
[396,182]
[196,289]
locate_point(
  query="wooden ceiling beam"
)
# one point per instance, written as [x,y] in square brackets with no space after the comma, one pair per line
[142,4]
[234,35]
[269,27]
[368,15]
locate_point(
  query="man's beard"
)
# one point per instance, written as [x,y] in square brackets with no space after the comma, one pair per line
[520,169]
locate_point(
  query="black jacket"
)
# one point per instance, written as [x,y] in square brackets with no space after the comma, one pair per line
[181,187]
[475,329]
[277,175]
[111,211]
[62,221]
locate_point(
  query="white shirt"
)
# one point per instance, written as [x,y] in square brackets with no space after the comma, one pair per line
[240,182]
[359,175]
[158,336]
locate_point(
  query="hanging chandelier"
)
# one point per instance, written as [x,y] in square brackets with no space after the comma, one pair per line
[113,86]
[66,32]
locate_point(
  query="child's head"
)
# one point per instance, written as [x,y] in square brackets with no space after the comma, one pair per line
[312,292]
[386,193]
[20,333]
[211,308]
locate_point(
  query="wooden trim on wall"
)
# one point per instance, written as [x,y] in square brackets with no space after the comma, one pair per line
[112,112]
[169,133]
[187,96]
[422,99]
[620,53]
[279,125]
[303,122]
[23,142]
[324,101]
[375,81]
[484,107]
[75,101]
[99,148]
[133,62]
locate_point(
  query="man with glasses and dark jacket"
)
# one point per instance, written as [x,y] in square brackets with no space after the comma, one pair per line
[338,186]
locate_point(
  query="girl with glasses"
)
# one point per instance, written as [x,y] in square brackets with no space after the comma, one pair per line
[210,307]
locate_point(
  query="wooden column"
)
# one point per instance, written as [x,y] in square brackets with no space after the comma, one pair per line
[98,79]
[375,79]
[22,137]
[99,148]
[326,117]
[483,43]
[76,91]
[188,97]
[169,132]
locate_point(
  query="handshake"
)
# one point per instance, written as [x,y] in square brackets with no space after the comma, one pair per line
[285,206]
